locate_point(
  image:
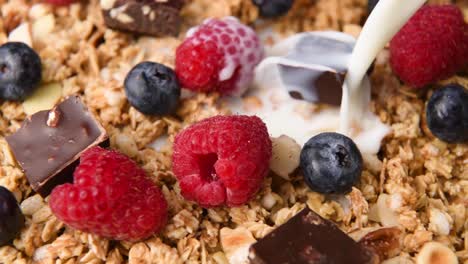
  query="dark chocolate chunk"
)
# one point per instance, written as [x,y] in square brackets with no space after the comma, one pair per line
[315,68]
[323,87]
[149,17]
[49,143]
[307,238]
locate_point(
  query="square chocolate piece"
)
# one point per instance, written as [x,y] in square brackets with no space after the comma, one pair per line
[308,238]
[49,143]
[149,17]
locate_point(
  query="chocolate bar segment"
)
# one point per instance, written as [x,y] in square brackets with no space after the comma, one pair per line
[307,238]
[324,87]
[49,143]
[149,17]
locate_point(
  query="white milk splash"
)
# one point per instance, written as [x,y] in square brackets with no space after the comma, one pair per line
[332,52]
[387,18]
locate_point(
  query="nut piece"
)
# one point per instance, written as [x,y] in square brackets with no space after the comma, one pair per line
[358,234]
[439,222]
[381,212]
[21,34]
[385,242]
[436,253]
[285,156]
[43,26]
[53,118]
[39,10]
[398,260]
[107,4]
[43,98]
[236,243]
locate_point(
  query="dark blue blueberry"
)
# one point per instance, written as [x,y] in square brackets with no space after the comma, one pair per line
[331,163]
[371,5]
[11,218]
[447,114]
[273,8]
[152,89]
[20,71]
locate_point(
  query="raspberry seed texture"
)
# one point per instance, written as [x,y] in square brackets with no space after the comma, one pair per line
[222,160]
[111,196]
[432,46]
[219,55]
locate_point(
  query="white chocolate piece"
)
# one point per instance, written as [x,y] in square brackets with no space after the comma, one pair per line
[436,253]
[43,98]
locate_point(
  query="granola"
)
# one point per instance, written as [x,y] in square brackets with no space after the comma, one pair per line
[417,182]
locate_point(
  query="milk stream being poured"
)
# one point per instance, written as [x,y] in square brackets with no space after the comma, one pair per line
[299,59]
[332,52]
[387,18]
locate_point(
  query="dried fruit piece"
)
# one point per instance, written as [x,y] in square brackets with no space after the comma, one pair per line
[285,156]
[44,98]
[436,253]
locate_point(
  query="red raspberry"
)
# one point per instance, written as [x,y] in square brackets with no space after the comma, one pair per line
[60,2]
[222,160]
[111,197]
[432,46]
[219,55]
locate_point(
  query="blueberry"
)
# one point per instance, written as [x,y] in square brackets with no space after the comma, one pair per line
[20,71]
[11,218]
[152,89]
[371,5]
[331,163]
[273,8]
[447,114]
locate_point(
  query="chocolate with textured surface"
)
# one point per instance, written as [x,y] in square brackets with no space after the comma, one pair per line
[149,17]
[307,238]
[49,143]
